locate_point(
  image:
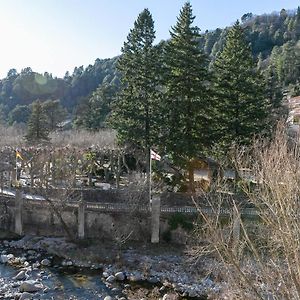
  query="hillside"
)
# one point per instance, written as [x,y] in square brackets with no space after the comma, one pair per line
[274,40]
[27,86]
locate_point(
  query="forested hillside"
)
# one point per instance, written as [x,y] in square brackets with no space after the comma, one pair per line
[274,40]
[21,89]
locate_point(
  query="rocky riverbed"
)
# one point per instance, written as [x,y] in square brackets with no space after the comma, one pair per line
[52,268]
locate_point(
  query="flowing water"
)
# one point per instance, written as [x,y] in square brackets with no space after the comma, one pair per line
[66,283]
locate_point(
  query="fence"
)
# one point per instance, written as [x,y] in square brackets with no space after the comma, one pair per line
[19,203]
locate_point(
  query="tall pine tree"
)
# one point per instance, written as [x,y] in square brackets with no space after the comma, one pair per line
[241,106]
[186,105]
[134,111]
[38,127]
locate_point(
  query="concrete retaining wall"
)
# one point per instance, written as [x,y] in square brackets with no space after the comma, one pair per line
[114,221]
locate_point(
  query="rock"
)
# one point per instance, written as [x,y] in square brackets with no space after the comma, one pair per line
[22,259]
[10,256]
[36,265]
[15,284]
[192,293]
[207,282]
[67,263]
[136,276]
[20,276]
[105,274]
[167,284]
[170,297]
[45,262]
[110,278]
[25,296]
[153,280]
[16,260]
[120,276]
[162,289]
[4,258]
[108,298]
[30,286]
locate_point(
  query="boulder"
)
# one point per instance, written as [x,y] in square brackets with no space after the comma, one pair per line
[108,298]
[30,286]
[20,276]
[153,280]
[120,276]
[110,278]
[45,262]
[170,296]
[4,258]
[36,265]
[135,276]
[26,264]
[25,296]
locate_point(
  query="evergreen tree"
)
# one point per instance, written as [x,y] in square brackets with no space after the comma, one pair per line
[2,115]
[97,108]
[186,105]
[296,25]
[134,111]
[241,108]
[55,113]
[38,127]
[19,114]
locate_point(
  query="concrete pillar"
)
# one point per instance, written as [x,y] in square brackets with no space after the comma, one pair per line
[81,220]
[236,228]
[155,215]
[18,212]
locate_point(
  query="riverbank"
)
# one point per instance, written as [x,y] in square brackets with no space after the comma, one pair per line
[133,271]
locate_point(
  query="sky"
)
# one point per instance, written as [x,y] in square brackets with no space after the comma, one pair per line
[58,35]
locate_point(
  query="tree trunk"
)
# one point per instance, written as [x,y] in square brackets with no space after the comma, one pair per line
[148,172]
[118,172]
[191,178]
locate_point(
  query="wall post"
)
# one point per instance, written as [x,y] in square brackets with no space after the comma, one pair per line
[81,219]
[236,228]
[155,219]
[18,212]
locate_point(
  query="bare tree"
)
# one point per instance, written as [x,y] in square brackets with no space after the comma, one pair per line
[262,261]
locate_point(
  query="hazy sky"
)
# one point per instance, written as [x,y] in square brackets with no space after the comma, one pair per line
[57,35]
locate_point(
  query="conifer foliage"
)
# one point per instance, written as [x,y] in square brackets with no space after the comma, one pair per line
[134,111]
[186,102]
[38,127]
[241,106]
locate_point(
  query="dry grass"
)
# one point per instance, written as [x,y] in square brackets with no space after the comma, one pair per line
[83,138]
[14,137]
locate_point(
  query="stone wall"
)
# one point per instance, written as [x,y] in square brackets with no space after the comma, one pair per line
[38,217]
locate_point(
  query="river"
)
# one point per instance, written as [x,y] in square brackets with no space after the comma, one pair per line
[58,283]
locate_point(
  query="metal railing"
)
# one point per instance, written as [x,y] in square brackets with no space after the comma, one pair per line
[125,207]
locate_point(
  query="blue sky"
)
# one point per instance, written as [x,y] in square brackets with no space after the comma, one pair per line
[57,35]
